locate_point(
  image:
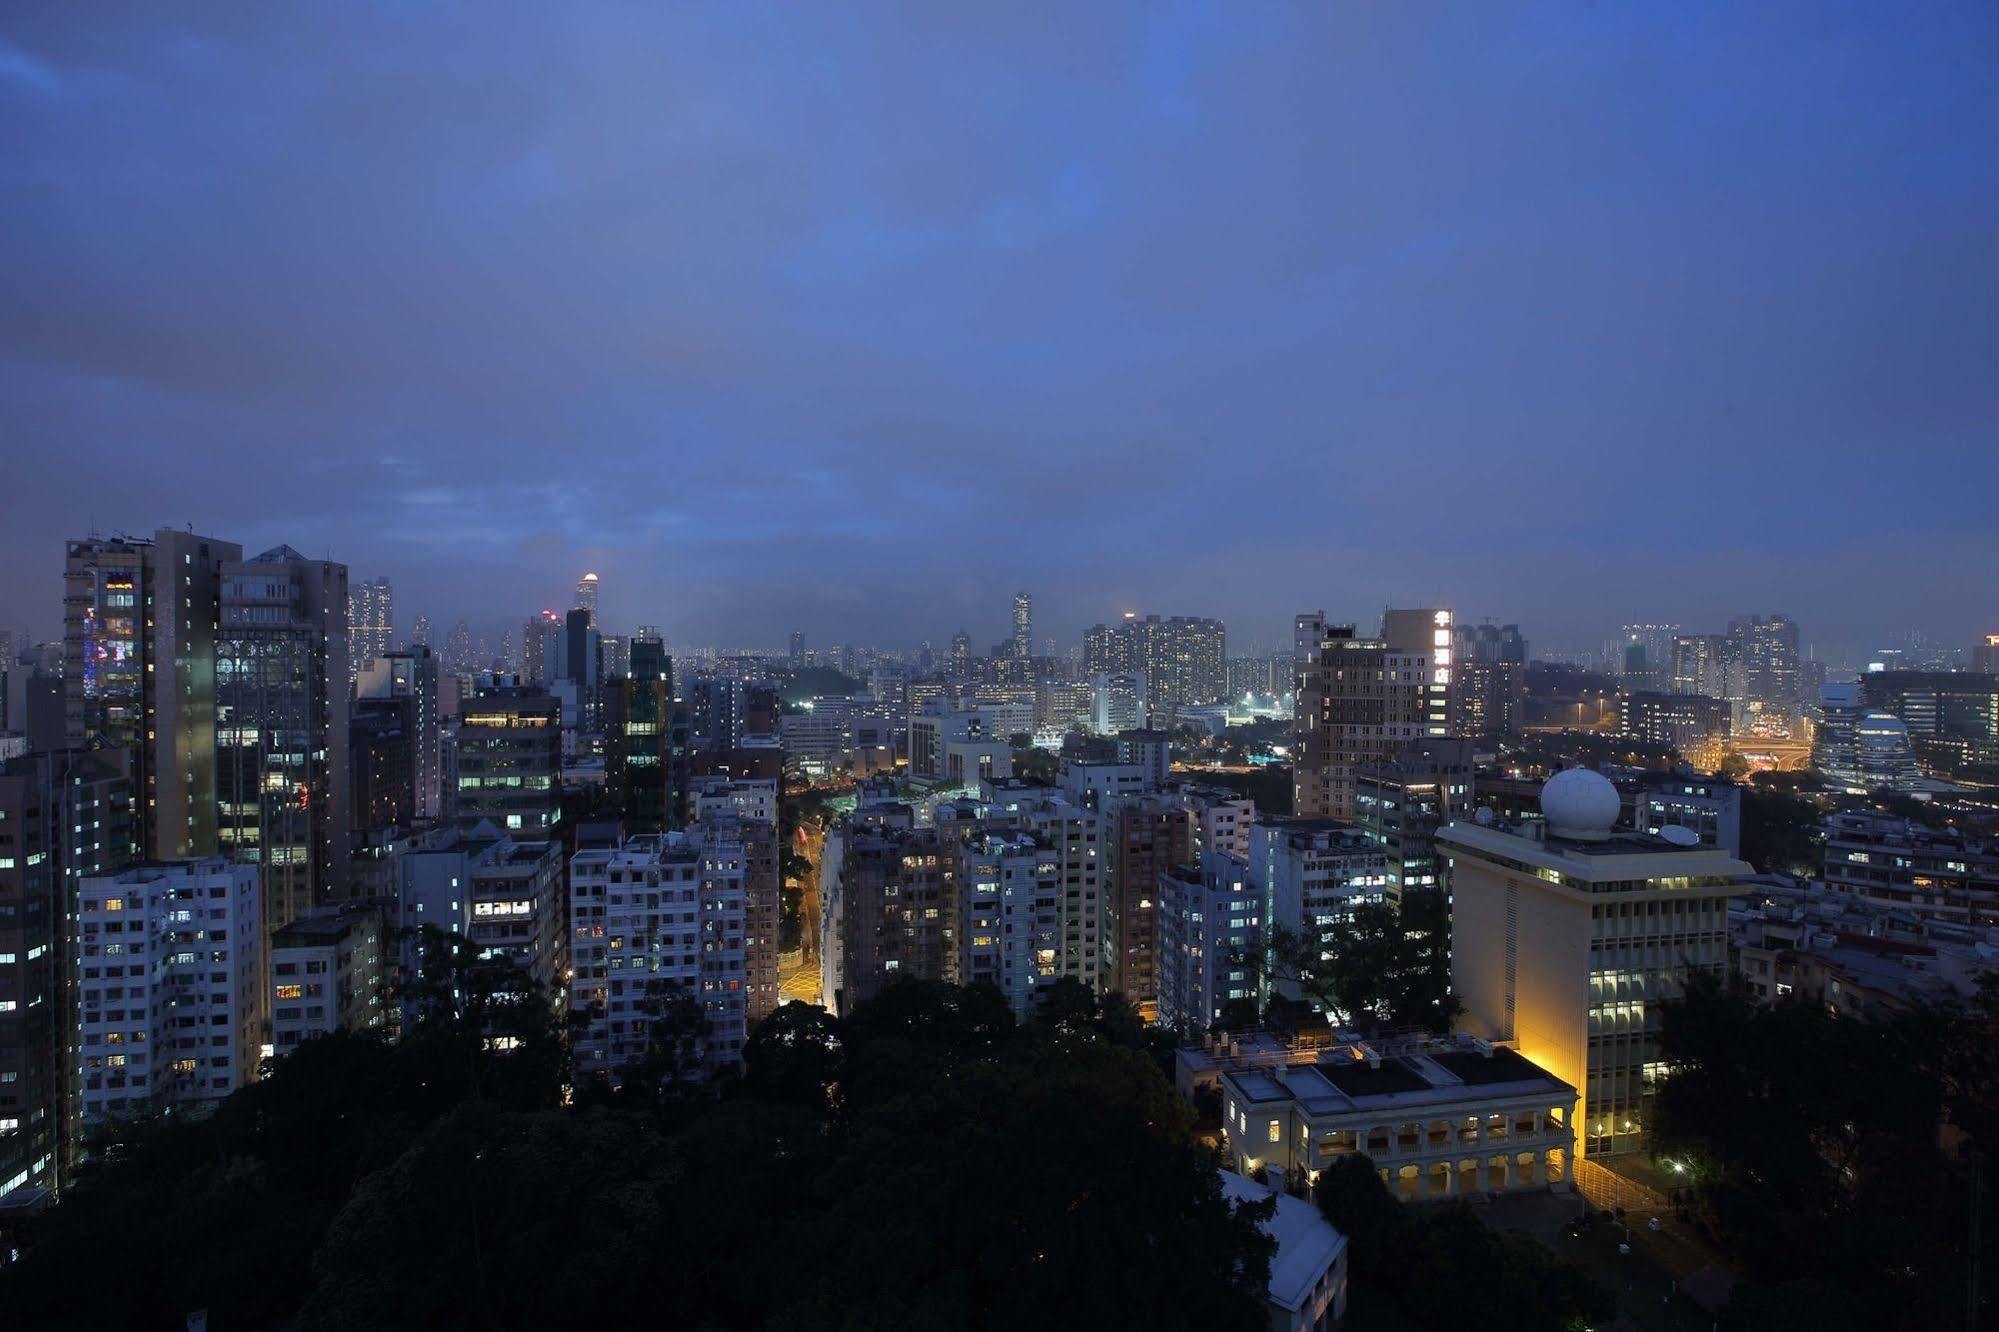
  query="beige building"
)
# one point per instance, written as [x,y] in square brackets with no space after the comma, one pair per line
[1360,700]
[1565,937]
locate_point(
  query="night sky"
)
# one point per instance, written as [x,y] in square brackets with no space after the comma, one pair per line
[856,318]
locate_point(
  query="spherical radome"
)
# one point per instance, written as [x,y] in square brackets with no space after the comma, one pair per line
[1580,803]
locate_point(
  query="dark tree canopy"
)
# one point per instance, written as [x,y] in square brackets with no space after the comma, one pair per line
[929,1163]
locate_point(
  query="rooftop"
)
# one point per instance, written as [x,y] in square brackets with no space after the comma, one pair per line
[1307,1243]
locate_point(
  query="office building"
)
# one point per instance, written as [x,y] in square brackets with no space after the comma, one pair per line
[1952,716]
[170,988]
[1023,625]
[646,744]
[412,675]
[371,623]
[1566,937]
[1430,633]
[956,747]
[138,673]
[281,728]
[1860,749]
[507,753]
[330,972]
[1708,807]
[1183,659]
[1358,702]
[1684,722]
[381,767]
[586,599]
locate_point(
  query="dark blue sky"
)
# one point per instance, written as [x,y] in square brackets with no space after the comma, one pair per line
[857,317]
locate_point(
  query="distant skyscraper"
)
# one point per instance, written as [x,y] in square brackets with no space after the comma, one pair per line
[420,632]
[1768,649]
[281,728]
[371,621]
[1647,657]
[538,646]
[458,658]
[586,596]
[961,652]
[797,645]
[1023,625]
[139,673]
[1183,658]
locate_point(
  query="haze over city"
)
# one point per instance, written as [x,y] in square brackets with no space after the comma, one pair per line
[857,321]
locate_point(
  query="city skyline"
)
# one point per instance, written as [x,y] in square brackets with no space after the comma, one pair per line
[1256,325]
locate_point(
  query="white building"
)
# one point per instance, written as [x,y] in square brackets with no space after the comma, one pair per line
[746,798]
[1314,872]
[659,914]
[1206,917]
[169,984]
[329,972]
[1010,922]
[1117,702]
[1308,1273]
[1566,936]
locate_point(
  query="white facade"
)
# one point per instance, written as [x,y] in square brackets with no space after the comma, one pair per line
[1205,918]
[659,913]
[746,798]
[1009,912]
[169,981]
[1117,702]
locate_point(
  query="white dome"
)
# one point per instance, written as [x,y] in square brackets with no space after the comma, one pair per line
[1581,804]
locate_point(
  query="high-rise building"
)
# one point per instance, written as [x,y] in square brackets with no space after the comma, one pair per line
[1768,649]
[1209,916]
[1686,722]
[646,744]
[1150,834]
[1401,801]
[412,675]
[961,652]
[1706,664]
[139,620]
[1183,658]
[330,972]
[1429,633]
[540,638]
[1023,625]
[1858,748]
[1358,701]
[420,632]
[1308,874]
[753,807]
[1646,651]
[1952,716]
[281,728]
[371,622]
[1118,702]
[64,815]
[381,766]
[1985,655]
[797,646]
[660,915]
[897,900]
[507,752]
[170,988]
[1567,938]
[586,599]
[459,658]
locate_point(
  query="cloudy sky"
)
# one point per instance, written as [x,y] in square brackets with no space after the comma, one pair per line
[854,318]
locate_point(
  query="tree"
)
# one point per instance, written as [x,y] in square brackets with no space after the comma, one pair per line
[1377,967]
[794,1056]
